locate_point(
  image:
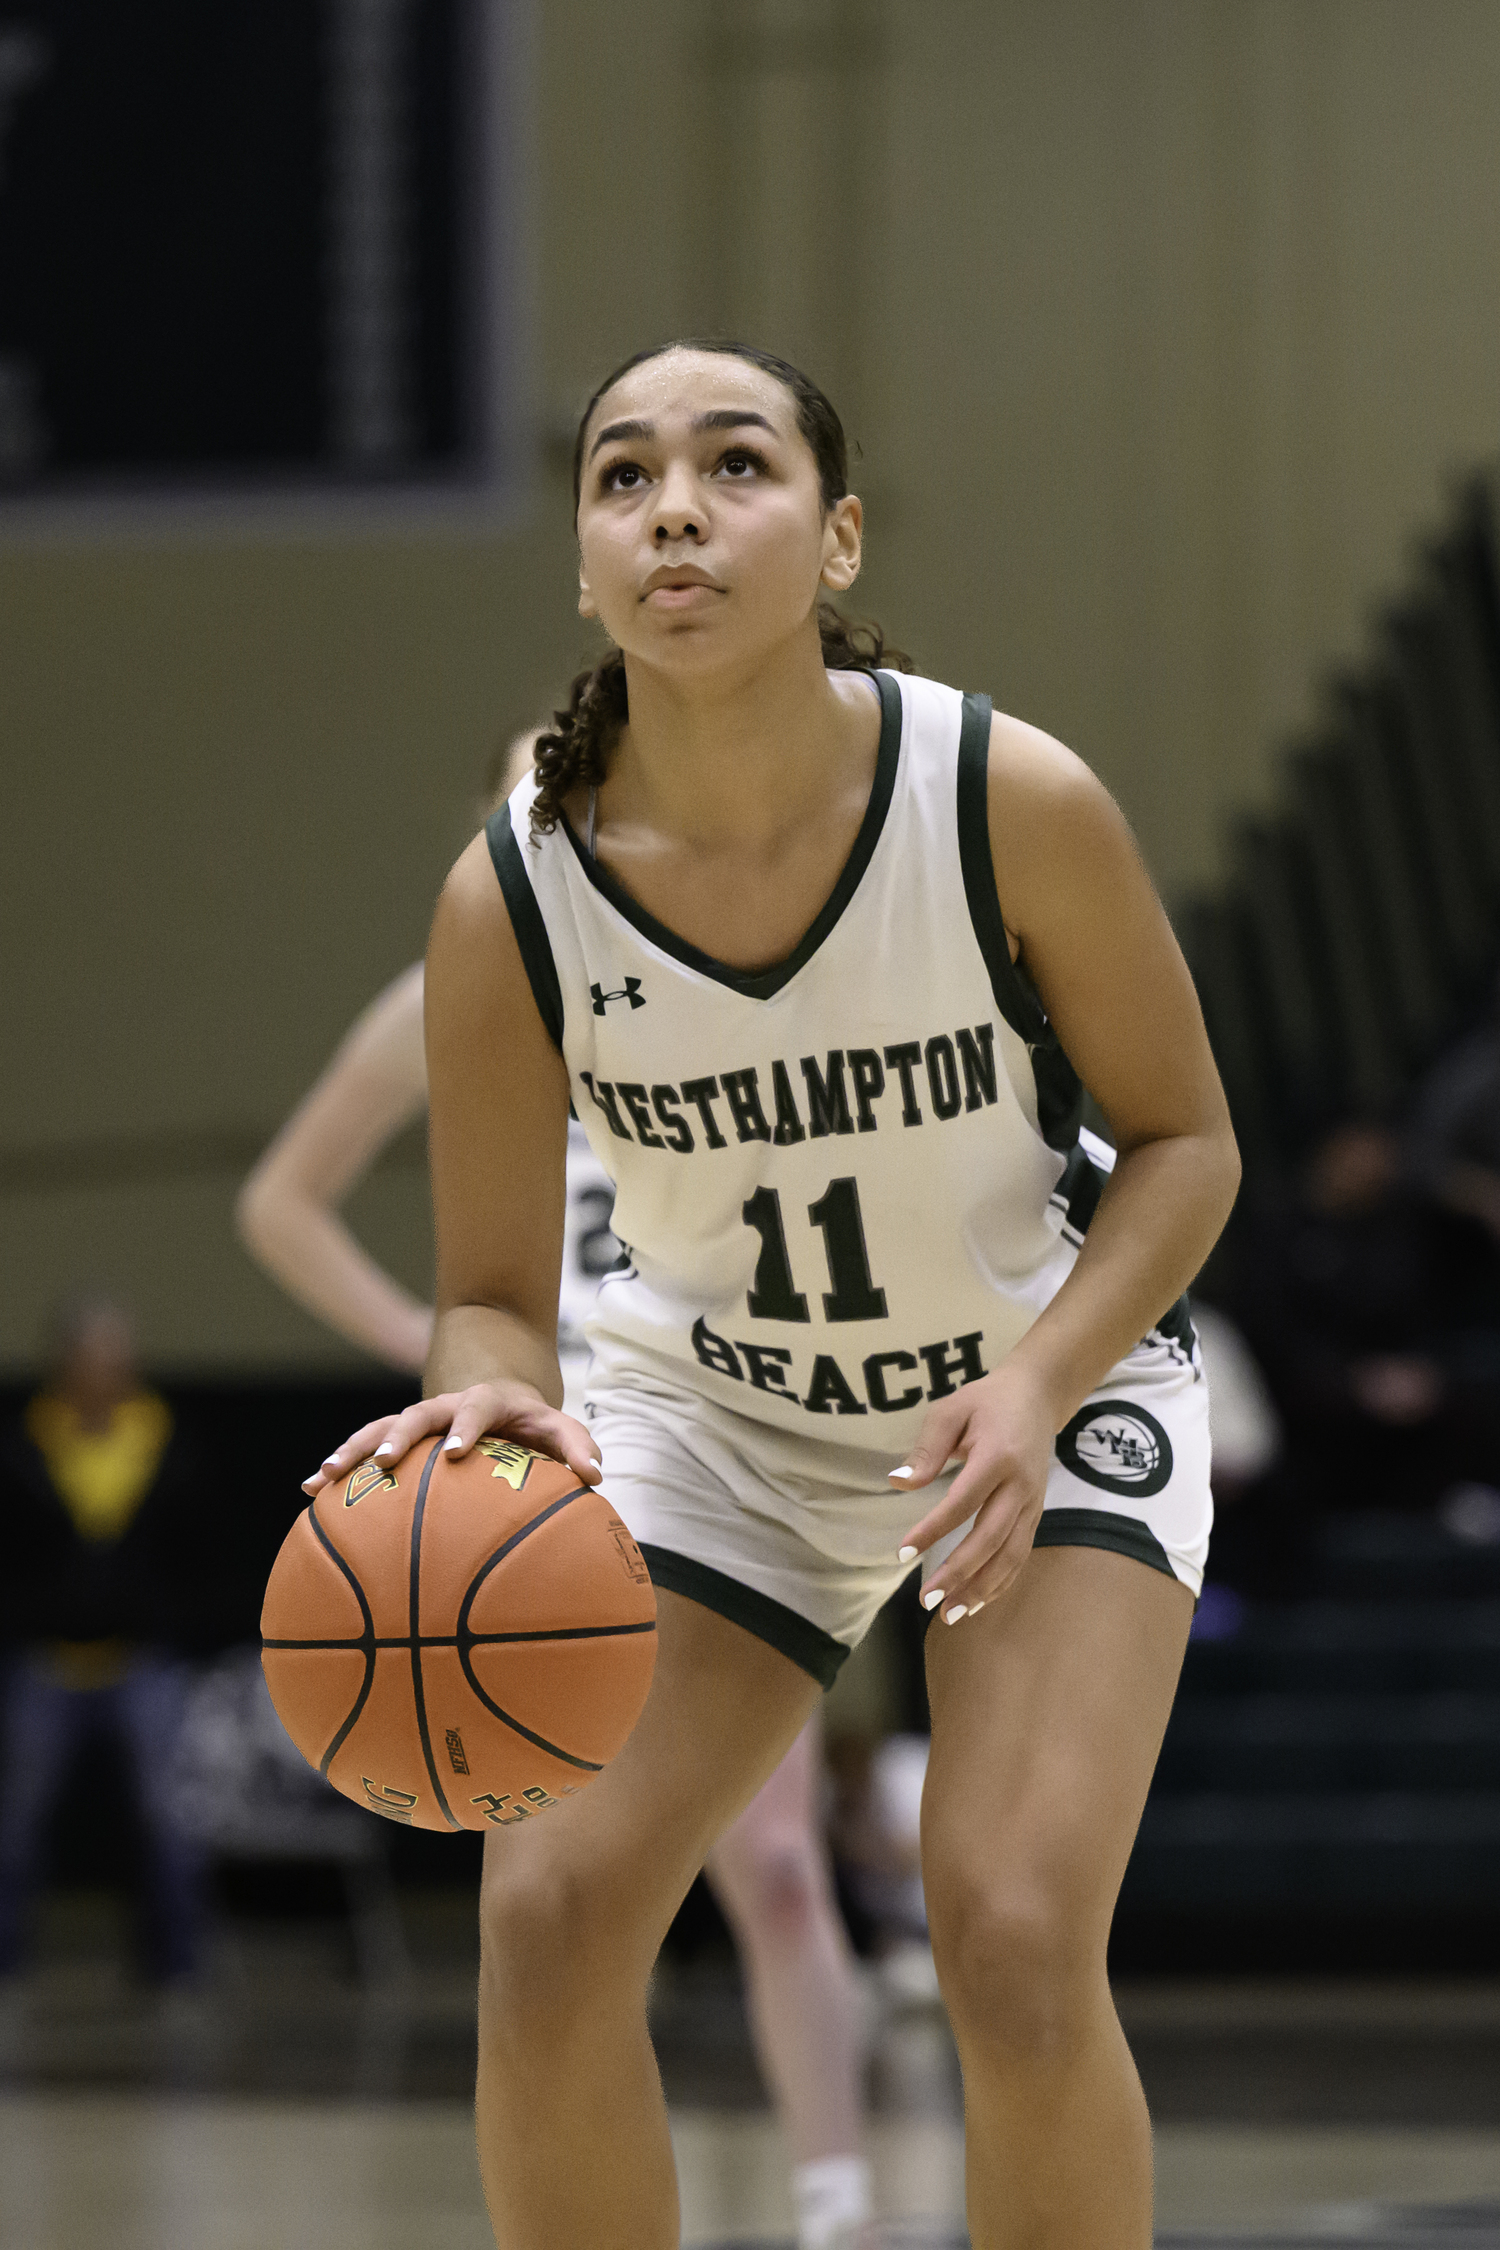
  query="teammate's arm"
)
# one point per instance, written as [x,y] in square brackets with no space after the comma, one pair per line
[498,1103]
[287,1212]
[1092,936]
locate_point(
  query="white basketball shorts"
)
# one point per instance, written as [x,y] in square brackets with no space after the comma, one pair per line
[797,1541]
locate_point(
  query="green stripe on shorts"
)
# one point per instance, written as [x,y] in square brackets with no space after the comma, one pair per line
[806,1644]
[1098,1527]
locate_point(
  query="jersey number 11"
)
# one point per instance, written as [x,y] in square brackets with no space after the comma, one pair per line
[775,1295]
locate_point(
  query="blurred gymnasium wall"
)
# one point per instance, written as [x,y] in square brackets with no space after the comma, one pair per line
[1162,325]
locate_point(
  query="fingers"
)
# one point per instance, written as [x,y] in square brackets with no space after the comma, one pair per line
[558,1434]
[979,1476]
[1001,1429]
[942,1428]
[528,1418]
[347,1456]
[388,1440]
[942,1434]
[466,1416]
[982,1566]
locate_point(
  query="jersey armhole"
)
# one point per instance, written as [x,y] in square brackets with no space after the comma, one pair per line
[1059,1096]
[526,920]
[1013,995]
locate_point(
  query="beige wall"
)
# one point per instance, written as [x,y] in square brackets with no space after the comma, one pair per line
[1163,325]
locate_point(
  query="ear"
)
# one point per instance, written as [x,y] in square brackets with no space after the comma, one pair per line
[843,535]
[587,606]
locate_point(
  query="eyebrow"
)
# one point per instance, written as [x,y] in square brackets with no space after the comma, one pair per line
[721,418]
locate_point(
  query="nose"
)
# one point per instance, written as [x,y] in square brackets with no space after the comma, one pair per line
[677,514]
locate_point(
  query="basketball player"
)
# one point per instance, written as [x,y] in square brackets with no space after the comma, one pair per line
[821,953]
[769,1870]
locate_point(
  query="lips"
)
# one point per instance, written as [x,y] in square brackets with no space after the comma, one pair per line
[680,580]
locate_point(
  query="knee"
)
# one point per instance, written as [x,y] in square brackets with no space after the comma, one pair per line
[536,1924]
[774,1890]
[559,1941]
[1021,1971]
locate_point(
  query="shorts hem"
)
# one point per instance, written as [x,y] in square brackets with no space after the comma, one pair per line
[1099,1527]
[796,1637]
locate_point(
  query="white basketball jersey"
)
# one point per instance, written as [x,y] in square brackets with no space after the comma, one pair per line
[846,1185]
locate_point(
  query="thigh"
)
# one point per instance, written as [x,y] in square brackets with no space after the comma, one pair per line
[723,1710]
[1048,1712]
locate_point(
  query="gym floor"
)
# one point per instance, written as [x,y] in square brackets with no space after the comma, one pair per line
[283,2108]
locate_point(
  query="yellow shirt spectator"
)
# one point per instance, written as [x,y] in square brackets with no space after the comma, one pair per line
[101,1476]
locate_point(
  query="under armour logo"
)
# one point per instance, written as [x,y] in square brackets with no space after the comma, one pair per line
[631,991]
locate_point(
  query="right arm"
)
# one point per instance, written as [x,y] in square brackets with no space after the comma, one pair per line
[498,1099]
[287,1212]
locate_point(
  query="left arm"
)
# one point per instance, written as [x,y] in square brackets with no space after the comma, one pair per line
[1092,936]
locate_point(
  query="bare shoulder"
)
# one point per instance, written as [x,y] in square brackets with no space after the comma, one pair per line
[1055,830]
[471,928]
[475,973]
[472,888]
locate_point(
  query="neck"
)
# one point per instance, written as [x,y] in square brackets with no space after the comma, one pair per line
[95,1412]
[741,758]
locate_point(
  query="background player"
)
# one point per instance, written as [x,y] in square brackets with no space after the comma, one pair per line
[796,861]
[769,1871]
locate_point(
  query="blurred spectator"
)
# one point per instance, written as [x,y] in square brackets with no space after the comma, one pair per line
[1242,1417]
[102,1592]
[1455,1145]
[875,1829]
[1375,1315]
[1247,1442]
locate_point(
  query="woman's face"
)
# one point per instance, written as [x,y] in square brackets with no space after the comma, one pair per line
[701,533]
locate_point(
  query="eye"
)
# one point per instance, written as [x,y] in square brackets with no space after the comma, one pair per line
[621,476]
[742,462]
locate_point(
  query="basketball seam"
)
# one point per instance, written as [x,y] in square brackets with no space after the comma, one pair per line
[479,1640]
[419,1696]
[366,1643]
[584,1765]
[467,1640]
[514,1540]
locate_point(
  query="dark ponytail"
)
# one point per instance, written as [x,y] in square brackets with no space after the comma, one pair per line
[574,751]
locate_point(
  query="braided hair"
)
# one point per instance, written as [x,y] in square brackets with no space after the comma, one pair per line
[576,748]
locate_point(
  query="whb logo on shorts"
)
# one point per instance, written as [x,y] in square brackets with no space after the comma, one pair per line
[1117,1446]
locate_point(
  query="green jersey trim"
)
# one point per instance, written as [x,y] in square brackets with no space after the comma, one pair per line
[796,1637]
[1176,1325]
[1059,1094]
[764,984]
[527,922]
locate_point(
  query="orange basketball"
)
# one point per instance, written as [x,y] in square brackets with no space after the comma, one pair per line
[459,1643]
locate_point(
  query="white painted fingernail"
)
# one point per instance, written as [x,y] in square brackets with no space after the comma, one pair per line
[382,1452]
[451,1444]
[932,1597]
[902,1472]
[952,1616]
[975,1608]
[906,1554]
